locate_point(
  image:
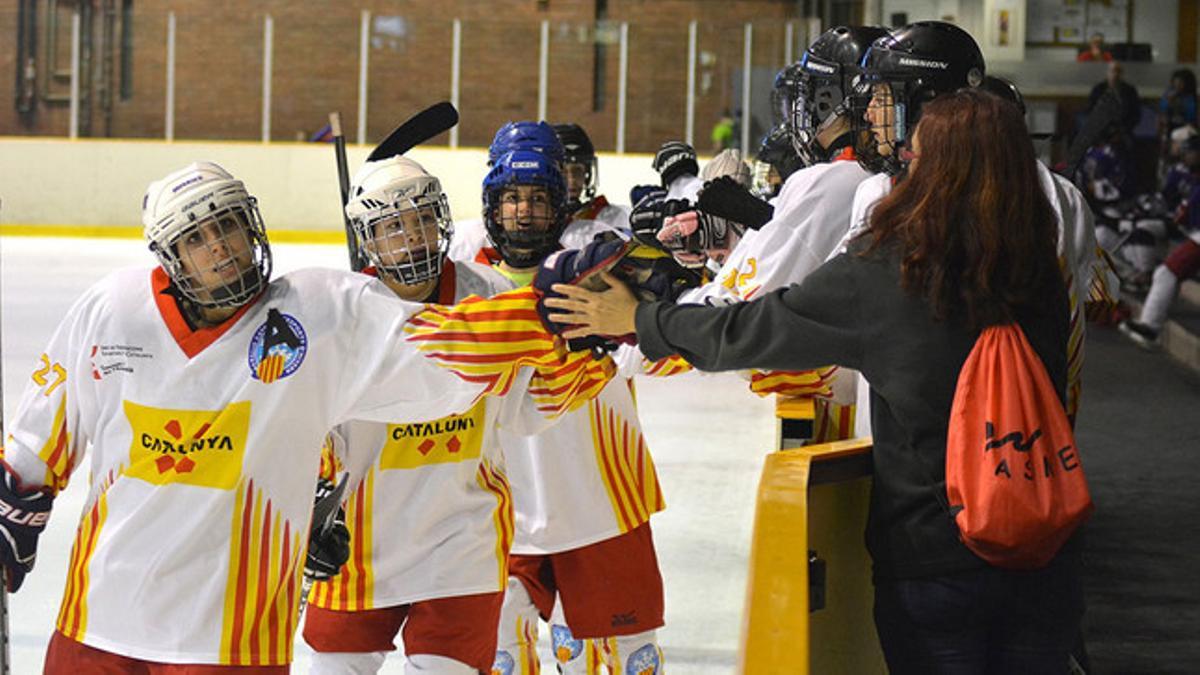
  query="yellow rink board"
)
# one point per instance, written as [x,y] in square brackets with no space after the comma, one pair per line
[811,498]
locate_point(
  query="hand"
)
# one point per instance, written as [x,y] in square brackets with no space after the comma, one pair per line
[608,312]
[23,515]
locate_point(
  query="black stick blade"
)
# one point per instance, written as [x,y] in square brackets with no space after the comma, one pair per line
[419,128]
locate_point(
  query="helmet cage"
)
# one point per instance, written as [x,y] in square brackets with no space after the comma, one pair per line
[224,231]
[396,236]
[532,238]
[883,144]
[819,97]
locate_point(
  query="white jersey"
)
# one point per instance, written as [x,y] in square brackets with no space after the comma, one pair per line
[205,447]
[470,237]
[431,513]
[587,478]
[810,218]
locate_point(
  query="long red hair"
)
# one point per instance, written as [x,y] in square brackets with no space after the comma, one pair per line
[977,235]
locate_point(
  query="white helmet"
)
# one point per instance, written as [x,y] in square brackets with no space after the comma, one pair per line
[207,233]
[401,219]
[728,162]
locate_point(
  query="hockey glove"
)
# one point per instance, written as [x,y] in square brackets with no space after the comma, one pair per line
[724,198]
[329,539]
[23,515]
[650,274]
[646,219]
[675,159]
[637,192]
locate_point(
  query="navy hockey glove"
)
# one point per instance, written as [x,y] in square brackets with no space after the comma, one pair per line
[675,159]
[650,274]
[637,192]
[23,515]
[329,539]
[724,198]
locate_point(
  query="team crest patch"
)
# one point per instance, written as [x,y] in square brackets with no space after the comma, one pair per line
[566,647]
[277,348]
[645,661]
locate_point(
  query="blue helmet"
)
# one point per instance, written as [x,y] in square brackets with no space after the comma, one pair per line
[532,237]
[535,136]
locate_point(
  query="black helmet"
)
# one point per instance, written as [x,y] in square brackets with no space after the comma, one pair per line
[918,62]
[1005,89]
[775,152]
[821,84]
[579,150]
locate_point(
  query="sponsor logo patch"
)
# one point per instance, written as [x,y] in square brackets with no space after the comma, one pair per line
[923,63]
[444,441]
[195,447]
[109,359]
[277,348]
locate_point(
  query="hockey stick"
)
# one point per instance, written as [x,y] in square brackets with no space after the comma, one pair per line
[322,521]
[430,122]
[357,259]
[5,659]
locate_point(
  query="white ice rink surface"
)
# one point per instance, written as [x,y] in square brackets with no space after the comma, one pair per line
[707,434]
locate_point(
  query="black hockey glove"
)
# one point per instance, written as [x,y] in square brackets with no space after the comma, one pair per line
[23,515]
[646,219]
[637,192]
[675,159]
[724,198]
[650,274]
[329,539]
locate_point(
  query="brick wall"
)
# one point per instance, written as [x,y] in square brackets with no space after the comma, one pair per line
[316,50]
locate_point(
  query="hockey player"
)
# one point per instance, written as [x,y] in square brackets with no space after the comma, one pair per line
[583,490]
[203,391]
[431,518]
[811,213]
[582,173]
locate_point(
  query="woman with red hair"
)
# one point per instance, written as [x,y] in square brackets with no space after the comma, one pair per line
[965,242]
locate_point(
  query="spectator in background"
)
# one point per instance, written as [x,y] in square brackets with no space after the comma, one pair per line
[1177,107]
[722,133]
[1131,105]
[1095,50]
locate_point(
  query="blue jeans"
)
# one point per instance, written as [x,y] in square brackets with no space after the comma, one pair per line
[981,622]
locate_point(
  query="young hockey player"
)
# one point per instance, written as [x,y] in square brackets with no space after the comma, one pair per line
[583,490]
[430,522]
[203,391]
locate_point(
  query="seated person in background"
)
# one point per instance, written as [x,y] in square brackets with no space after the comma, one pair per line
[1095,50]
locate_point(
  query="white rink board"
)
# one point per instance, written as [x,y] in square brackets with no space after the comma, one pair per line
[707,434]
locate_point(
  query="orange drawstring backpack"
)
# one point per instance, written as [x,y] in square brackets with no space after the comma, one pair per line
[1014,481]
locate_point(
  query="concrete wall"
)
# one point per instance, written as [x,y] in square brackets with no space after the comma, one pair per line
[100,183]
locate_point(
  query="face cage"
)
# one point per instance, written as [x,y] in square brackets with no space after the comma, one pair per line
[250,236]
[391,252]
[808,115]
[524,247]
[868,135]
